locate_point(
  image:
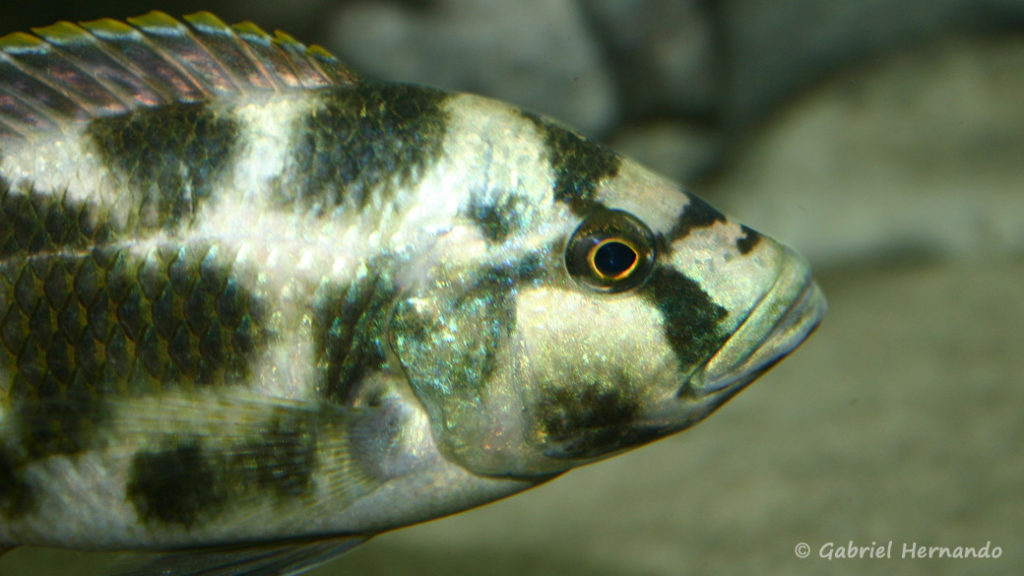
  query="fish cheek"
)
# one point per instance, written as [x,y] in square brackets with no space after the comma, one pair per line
[585,419]
[691,319]
[599,363]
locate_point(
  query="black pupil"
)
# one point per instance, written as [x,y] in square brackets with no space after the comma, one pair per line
[614,258]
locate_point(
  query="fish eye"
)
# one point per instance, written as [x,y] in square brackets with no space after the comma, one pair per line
[610,251]
[613,258]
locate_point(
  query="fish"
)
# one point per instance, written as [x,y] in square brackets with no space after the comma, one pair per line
[256,309]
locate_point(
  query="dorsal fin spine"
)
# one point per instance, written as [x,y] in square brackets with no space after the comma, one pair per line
[163,73]
[43,101]
[177,42]
[269,53]
[68,72]
[310,74]
[232,51]
[90,91]
[124,82]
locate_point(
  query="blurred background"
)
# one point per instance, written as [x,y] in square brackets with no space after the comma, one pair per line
[883,139]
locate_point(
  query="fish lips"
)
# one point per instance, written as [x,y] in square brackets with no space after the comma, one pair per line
[788,313]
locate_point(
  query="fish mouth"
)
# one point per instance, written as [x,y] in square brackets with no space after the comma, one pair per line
[783,319]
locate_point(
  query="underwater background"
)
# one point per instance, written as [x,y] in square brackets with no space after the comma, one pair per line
[884,140]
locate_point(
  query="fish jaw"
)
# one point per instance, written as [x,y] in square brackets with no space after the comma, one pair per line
[785,316]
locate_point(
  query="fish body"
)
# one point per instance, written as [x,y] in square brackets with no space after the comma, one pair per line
[247,298]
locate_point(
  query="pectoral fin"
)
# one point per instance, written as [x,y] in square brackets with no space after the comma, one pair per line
[273,560]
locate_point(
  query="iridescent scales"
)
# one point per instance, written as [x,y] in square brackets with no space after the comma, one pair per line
[247,297]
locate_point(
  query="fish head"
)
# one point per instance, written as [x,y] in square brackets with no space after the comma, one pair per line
[631,311]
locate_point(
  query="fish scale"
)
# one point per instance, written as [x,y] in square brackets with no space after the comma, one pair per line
[44,222]
[346,325]
[255,310]
[107,322]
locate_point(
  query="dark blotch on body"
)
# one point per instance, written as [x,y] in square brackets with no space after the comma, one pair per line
[53,389]
[170,156]
[696,214]
[492,303]
[690,317]
[31,223]
[175,486]
[350,327]
[361,138]
[349,334]
[496,219]
[493,291]
[579,165]
[587,419]
[75,328]
[749,240]
[192,482]
[55,418]
[281,461]
[17,497]
[507,275]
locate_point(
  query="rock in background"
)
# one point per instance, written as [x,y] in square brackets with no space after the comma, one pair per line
[884,139]
[917,154]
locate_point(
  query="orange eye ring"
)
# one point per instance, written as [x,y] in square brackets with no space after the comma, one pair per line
[611,254]
[611,251]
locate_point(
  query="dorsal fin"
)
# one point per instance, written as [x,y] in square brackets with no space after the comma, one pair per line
[68,72]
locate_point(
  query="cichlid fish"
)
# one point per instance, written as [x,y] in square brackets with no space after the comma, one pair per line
[255,309]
